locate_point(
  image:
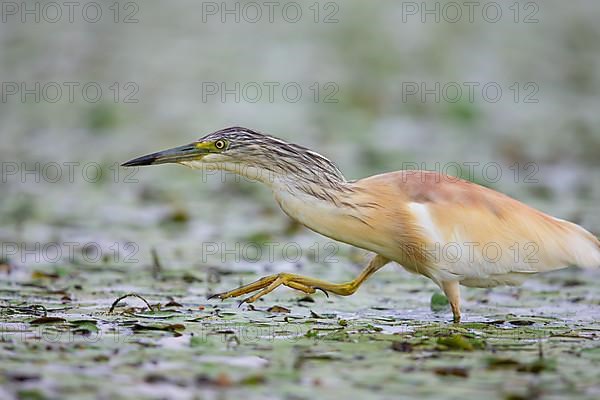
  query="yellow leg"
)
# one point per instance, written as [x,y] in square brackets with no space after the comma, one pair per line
[452,291]
[303,283]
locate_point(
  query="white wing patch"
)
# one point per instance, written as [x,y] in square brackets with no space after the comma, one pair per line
[423,217]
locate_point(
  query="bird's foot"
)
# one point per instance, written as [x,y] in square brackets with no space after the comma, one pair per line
[267,284]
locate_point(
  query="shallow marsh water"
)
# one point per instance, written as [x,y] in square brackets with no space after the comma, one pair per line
[58,338]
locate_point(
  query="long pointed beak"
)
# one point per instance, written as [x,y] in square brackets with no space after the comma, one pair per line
[174,155]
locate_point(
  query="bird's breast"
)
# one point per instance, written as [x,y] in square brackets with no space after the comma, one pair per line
[341,223]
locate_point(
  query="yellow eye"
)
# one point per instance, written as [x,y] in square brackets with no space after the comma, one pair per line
[220,144]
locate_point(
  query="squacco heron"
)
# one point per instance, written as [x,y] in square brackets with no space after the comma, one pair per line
[450,230]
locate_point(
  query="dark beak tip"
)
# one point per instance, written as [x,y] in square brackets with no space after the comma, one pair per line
[136,162]
[173,155]
[130,163]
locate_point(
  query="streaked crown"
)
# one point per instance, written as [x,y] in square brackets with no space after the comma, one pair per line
[246,146]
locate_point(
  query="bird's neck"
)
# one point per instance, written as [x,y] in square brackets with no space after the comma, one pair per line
[330,211]
[324,202]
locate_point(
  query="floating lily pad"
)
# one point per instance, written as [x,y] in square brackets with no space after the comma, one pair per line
[439,302]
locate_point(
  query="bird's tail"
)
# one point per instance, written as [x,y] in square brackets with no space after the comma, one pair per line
[582,246]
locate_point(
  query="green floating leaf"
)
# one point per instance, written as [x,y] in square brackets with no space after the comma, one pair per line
[311,333]
[439,302]
[84,326]
[460,342]
[36,275]
[253,380]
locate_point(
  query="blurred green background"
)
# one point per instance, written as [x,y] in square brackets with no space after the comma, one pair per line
[378,87]
[370,55]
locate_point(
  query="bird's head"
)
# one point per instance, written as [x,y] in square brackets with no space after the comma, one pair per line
[226,145]
[246,152]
